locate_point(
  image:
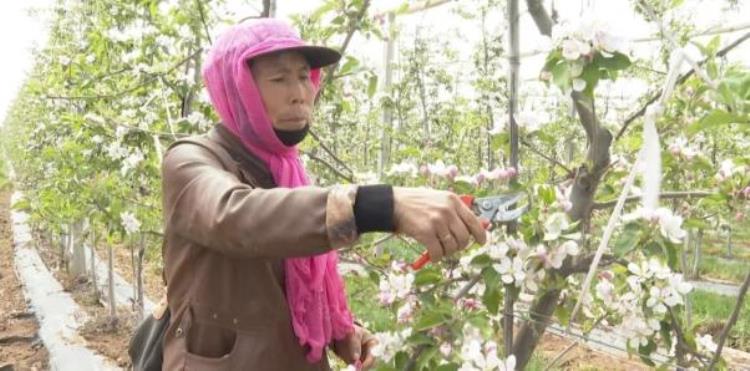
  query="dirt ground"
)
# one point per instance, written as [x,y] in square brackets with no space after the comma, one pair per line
[582,358]
[20,346]
[104,335]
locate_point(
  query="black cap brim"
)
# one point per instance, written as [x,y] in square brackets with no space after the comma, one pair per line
[317,56]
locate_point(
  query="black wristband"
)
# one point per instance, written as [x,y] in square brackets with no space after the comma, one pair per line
[373,208]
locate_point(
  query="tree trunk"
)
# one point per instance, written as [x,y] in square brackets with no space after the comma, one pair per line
[585,183]
[139,277]
[385,140]
[93,263]
[729,243]
[698,245]
[78,261]
[269,9]
[111,273]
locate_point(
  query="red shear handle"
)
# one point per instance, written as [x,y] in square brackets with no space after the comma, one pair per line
[423,259]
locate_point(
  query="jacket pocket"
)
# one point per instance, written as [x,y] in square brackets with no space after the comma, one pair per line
[209,347]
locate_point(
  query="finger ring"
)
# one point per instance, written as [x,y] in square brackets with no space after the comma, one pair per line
[446,237]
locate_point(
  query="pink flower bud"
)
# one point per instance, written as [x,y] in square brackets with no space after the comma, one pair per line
[512,172]
[452,171]
[479,178]
[739,216]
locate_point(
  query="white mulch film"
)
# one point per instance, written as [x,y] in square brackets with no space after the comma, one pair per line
[58,315]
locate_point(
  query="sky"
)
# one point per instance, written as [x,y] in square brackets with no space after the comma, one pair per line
[20,32]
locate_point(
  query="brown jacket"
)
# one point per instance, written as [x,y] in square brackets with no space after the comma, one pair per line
[227,232]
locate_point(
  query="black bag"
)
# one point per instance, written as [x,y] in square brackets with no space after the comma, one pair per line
[145,348]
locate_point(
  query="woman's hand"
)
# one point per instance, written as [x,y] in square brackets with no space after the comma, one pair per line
[437,219]
[357,346]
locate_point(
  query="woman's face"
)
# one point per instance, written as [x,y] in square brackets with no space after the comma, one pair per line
[283,80]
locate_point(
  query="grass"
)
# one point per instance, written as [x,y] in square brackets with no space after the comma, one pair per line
[712,266]
[711,311]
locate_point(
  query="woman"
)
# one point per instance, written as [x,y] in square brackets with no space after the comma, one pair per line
[250,255]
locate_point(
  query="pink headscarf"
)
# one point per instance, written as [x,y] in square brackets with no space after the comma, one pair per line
[314,289]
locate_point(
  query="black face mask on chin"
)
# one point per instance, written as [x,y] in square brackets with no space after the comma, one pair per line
[292,137]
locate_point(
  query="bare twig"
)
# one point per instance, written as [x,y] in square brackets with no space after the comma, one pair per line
[202,13]
[330,153]
[732,321]
[724,51]
[531,147]
[331,71]
[121,93]
[331,167]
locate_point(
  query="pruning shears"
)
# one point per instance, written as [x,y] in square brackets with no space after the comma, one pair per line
[491,210]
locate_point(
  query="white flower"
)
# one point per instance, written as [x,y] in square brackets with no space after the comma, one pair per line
[670,225]
[131,161]
[129,222]
[726,170]
[438,169]
[607,42]
[389,343]
[395,286]
[498,251]
[367,177]
[446,349]
[406,312]
[115,151]
[404,168]
[579,85]
[571,49]
[511,271]
[605,291]
[509,364]
[555,225]
[706,342]
[680,147]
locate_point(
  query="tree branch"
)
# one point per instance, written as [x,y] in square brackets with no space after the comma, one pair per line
[540,16]
[328,165]
[732,321]
[150,80]
[548,158]
[202,13]
[330,153]
[331,71]
[663,195]
[724,51]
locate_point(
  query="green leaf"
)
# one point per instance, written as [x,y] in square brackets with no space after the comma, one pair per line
[426,356]
[427,276]
[644,351]
[447,367]
[491,299]
[429,319]
[372,85]
[561,75]
[349,66]
[627,240]
[616,62]
[715,118]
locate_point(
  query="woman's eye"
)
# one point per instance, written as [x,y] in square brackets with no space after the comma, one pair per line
[278,79]
[304,77]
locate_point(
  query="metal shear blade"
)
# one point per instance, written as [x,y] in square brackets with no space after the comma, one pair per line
[495,208]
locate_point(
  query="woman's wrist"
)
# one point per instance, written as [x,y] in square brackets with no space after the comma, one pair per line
[373,208]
